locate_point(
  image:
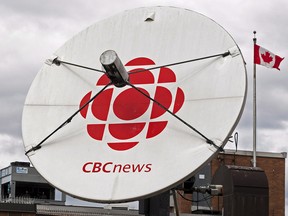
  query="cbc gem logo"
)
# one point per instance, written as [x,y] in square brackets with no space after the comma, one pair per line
[130,104]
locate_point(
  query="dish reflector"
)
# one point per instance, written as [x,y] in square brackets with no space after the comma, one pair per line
[120,145]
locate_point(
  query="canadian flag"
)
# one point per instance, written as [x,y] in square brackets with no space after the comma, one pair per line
[266,58]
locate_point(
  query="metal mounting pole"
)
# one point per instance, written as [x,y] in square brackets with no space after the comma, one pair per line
[175,202]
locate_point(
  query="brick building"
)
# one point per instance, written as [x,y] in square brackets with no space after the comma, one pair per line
[273,164]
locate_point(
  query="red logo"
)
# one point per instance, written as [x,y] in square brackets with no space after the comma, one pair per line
[129,105]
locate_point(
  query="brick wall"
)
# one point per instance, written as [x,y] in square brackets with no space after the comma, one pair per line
[275,172]
[184,205]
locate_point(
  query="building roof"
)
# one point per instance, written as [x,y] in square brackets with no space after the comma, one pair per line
[81,211]
[17,207]
[258,153]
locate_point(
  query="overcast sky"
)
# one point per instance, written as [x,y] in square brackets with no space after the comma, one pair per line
[31,30]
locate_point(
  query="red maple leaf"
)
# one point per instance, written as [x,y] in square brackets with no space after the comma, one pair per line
[267,57]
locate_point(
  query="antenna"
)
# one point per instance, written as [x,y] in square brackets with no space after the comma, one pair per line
[114,68]
[178,93]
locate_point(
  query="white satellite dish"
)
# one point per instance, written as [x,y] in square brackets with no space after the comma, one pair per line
[121,145]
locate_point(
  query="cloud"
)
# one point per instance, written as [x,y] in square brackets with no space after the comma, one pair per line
[11,149]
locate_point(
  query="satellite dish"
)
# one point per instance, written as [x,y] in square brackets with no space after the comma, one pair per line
[134,104]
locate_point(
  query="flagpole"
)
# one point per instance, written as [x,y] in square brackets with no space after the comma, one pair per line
[254,104]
